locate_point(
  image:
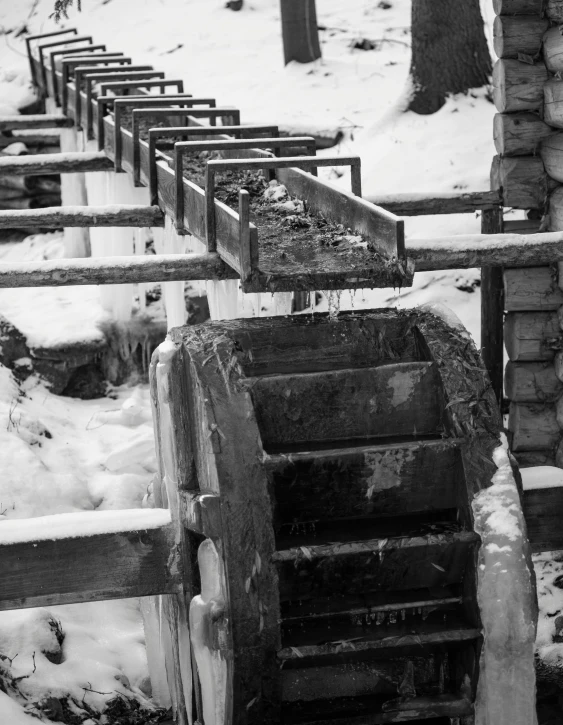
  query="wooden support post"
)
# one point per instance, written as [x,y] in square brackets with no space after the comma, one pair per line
[38,37]
[492,307]
[248,251]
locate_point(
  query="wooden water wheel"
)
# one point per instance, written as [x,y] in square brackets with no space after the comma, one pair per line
[325,469]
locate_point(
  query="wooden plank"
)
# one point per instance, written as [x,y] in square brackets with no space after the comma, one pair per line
[532,289]
[88,568]
[383,229]
[34,121]
[69,162]
[123,215]
[492,307]
[436,203]
[393,400]
[392,564]
[115,270]
[543,508]
[532,336]
[522,226]
[363,482]
[532,382]
[533,426]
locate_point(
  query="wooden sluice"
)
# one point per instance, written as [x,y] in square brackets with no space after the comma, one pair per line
[322,562]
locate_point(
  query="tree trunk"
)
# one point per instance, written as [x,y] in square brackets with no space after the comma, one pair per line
[299,31]
[449,51]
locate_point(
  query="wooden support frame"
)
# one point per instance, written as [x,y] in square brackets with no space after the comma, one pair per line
[71,52]
[184,147]
[92,60]
[156,134]
[66,163]
[56,217]
[89,76]
[29,40]
[104,102]
[87,39]
[302,162]
[429,203]
[98,59]
[151,109]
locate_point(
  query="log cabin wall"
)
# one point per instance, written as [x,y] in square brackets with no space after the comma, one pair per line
[528,170]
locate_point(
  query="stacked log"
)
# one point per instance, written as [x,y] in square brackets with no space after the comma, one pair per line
[528,134]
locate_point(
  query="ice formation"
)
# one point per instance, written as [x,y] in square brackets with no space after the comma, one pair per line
[73,193]
[506,692]
[166,241]
[206,611]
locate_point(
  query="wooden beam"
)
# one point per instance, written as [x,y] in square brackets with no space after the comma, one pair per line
[492,307]
[56,217]
[89,568]
[435,203]
[532,288]
[486,250]
[529,335]
[115,270]
[39,120]
[65,163]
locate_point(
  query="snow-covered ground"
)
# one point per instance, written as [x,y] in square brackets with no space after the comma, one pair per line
[61,455]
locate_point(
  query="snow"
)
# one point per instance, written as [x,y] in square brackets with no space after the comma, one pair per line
[84,523]
[541,477]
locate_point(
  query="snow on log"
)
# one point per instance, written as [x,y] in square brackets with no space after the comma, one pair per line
[531,289]
[533,426]
[532,382]
[40,120]
[56,217]
[519,134]
[71,162]
[528,335]
[518,7]
[496,250]
[515,35]
[518,86]
[553,103]
[115,270]
[521,180]
[436,203]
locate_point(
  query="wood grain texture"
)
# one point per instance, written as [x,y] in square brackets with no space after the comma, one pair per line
[91,568]
[521,180]
[33,165]
[554,10]
[553,102]
[533,426]
[518,7]
[392,400]
[492,306]
[515,35]
[527,459]
[531,336]
[429,203]
[532,382]
[518,86]
[543,509]
[519,134]
[124,215]
[33,121]
[532,289]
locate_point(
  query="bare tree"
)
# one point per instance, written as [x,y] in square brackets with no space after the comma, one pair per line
[449,51]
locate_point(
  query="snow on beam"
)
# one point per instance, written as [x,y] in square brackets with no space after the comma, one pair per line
[71,162]
[435,203]
[39,120]
[486,250]
[56,217]
[87,556]
[115,270]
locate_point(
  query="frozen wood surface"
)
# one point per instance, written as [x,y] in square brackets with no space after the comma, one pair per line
[518,86]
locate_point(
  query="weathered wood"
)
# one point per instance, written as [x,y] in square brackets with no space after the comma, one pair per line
[122,215]
[554,10]
[555,218]
[519,35]
[558,362]
[532,382]
[518,86]
[99,59]
[528,336]
[543,508]
[527,459]
[42,47]
[532,288]
[533,426]
[115,270]
[299,31]
[394,400]
[364,482]
[492,306]
[30,38]
[34,121]
[518,7]
[521,180]
[88,568]
[51,84]
[519,134]
[65,163]
[522,226]
[435,203]
[551,152]
[553,103]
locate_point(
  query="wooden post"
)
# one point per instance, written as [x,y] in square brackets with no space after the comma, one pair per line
[299,31]
[492,307]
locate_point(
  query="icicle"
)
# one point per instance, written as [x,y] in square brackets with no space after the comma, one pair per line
[73,193]
[168,242]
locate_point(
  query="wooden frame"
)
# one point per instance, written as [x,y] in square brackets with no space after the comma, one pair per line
[53,75]
[30,38]
[70,41]
[69,64]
